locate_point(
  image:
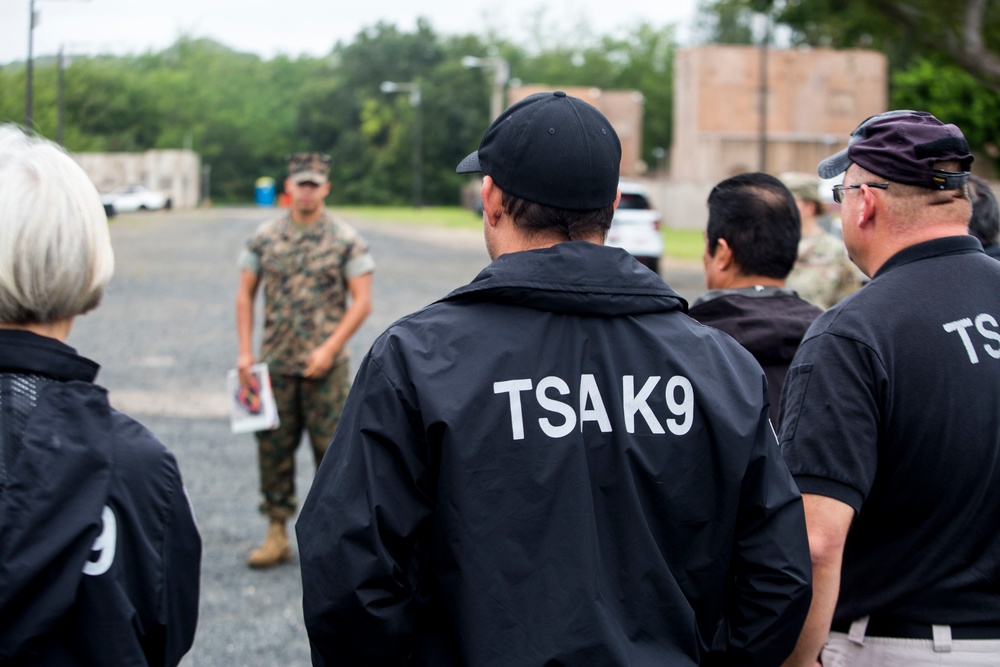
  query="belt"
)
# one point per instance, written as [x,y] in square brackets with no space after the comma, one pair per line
[891,627]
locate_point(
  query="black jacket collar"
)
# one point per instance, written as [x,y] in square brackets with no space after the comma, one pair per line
[574,277]
[26,352]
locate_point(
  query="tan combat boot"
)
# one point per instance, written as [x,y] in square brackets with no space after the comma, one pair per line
[275,548]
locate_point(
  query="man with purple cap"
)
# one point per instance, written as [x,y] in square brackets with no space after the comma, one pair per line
[890,417]
[554,464]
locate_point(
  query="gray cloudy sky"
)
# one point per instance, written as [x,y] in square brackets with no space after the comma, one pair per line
[300,26]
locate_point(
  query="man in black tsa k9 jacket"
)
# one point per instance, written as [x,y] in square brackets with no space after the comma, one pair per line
[554,465]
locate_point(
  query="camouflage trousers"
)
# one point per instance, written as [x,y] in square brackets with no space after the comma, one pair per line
[313,406]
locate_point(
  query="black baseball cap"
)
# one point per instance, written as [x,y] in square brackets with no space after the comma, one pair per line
[903,146]
[551,149]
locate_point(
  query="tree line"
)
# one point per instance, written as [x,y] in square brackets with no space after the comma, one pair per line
[244,114]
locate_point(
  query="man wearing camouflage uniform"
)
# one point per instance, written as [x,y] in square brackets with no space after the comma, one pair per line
[823,273]
[307,262]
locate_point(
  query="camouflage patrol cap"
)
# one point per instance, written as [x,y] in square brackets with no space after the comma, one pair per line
[308,167]
[801,185]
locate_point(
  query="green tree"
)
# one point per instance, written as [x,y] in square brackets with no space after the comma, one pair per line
[243,115]
[12,93]
[964,33]
[110,106]
[641,59]
[235,110]
[645,59]
[370,134]
[954,96]
[725,22]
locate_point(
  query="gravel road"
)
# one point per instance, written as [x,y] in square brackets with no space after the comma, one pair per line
[165,338]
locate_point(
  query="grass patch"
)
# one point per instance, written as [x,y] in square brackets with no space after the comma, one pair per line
[442,216]
[683,244]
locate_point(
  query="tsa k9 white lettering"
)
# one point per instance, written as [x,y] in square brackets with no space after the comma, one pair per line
[677,396]
[104,546]
[986,326]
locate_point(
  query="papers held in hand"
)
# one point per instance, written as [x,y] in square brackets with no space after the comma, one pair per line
[251,408]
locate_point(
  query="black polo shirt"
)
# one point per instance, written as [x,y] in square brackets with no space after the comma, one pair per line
[891,406]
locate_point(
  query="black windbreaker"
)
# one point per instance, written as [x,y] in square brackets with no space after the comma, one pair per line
[554,465]
[99,552]
[768,321]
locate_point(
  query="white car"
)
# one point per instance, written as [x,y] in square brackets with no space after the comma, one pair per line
[134,198]
[636,226]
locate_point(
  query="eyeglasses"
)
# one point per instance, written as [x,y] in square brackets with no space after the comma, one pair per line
[838,190]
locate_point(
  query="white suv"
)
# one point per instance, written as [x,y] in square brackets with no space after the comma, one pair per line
[636,226]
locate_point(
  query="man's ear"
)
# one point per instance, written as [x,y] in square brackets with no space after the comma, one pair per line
[717,273]
[866,215]
[723,257]
[492,201]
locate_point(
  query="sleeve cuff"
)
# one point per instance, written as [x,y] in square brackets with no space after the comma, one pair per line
[250,261]
[360,266]
[824,486]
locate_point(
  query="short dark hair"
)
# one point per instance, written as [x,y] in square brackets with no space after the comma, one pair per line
[757,216]
[534,218]
[984,223]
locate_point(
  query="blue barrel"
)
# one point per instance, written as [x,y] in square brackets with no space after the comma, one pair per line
[264,191]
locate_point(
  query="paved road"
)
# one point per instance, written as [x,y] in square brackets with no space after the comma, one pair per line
[165,339]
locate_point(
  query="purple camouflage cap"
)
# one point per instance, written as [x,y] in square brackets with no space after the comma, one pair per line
[903,146]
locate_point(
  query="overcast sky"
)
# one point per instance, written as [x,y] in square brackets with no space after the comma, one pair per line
[297,27]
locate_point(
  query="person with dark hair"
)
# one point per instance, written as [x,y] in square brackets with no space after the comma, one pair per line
[984,223]
[553,464]
[889,414]
[100,557]
[751,243]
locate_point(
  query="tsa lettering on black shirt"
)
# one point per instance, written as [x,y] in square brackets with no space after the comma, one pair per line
[677,395]
[985,327]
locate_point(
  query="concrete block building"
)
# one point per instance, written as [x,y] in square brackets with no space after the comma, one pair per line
[175,173]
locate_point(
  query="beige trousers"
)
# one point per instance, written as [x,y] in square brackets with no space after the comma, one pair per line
[855,649]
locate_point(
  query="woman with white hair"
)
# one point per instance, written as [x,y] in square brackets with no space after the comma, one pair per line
[99,551]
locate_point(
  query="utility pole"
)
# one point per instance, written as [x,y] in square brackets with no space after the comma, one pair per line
[763,96]
[413,88]
[29,72]
[29,84]
[61,127]
[501,74]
